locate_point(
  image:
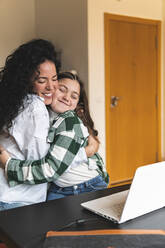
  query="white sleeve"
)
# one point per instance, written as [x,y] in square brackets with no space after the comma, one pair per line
[30,130]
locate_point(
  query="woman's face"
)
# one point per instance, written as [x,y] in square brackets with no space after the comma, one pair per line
[66,97]
[46,82]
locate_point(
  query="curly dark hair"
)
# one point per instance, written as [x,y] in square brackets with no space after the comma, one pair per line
[16,76]
[82,108]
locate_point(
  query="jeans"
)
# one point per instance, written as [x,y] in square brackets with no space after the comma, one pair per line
[5,205]
[94,184]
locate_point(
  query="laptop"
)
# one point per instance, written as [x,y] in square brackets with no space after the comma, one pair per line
[146,194]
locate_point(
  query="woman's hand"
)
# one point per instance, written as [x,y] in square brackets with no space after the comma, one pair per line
[4,156]
[92,147]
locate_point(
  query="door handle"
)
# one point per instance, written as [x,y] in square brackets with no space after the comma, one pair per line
[114,101]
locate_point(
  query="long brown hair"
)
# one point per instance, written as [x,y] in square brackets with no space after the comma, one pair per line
[82,108]
[16,76]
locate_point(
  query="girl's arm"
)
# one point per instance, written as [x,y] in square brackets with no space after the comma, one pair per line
[5,157]
[63,150]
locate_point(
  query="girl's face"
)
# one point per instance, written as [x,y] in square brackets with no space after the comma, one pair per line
[46,82]
[66,96]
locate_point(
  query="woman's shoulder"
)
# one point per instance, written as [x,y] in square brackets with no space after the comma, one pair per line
[34,108]
[33,102]
[34,116]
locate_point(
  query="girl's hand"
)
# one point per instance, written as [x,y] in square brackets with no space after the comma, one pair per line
[4,156]
[92,147]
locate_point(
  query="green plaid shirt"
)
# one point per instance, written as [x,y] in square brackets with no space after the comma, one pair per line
[66,136]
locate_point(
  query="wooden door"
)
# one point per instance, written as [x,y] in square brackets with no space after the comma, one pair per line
[132,115]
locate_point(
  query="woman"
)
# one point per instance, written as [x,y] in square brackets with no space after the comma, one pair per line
[27,83]
[67,136]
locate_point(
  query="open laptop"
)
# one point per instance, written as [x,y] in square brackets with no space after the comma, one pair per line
[146,194]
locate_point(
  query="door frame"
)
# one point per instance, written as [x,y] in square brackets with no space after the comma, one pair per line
[157,23]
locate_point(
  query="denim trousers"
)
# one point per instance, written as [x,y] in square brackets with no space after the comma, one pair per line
[5,205]
[94,184]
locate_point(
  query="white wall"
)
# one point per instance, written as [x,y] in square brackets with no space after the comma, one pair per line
[150,9]
[17,25]
[64,22]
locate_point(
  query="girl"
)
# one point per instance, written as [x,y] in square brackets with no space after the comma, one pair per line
[67,136]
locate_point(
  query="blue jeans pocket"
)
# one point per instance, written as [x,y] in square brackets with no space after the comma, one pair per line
[98,186]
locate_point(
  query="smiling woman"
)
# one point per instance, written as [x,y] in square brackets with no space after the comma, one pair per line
[45,81]
[27,83]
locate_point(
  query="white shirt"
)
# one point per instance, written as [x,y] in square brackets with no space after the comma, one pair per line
[26,140]
[76,174]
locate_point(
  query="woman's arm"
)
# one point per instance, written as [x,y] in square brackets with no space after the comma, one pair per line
[4,156]
[92,147]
